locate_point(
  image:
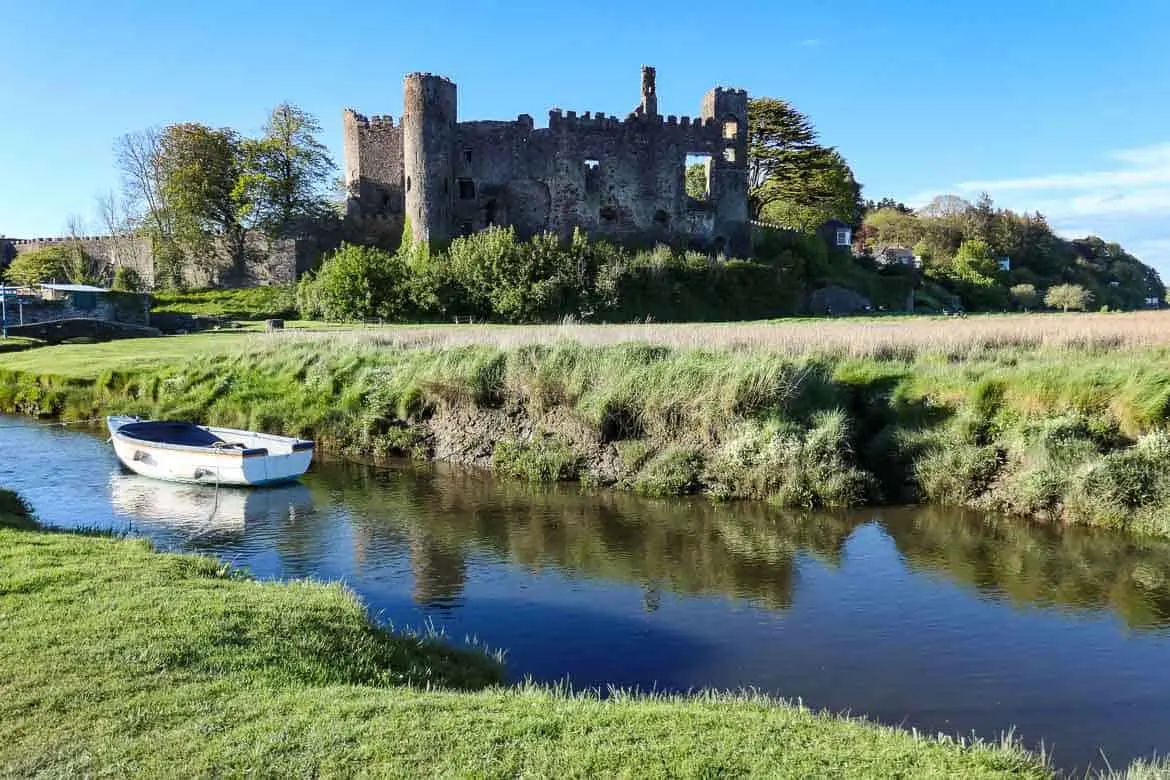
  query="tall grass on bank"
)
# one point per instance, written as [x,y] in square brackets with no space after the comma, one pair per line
[1069,433]
[116,660]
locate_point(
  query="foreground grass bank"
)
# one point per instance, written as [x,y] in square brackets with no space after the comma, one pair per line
[118,660]
[1068,425]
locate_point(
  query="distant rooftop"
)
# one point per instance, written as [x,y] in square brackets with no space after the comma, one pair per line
[74,288]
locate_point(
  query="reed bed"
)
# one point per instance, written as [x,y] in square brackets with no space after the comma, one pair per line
[880,338]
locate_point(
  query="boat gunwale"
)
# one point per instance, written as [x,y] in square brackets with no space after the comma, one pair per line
[253,452]
[297,445]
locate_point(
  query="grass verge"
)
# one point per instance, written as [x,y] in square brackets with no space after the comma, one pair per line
[118,660]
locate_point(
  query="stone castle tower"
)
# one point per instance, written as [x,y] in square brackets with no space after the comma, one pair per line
[622,179]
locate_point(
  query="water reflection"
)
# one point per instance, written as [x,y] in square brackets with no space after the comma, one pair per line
[923,617]
[1079,568]
[687,547]
[201,515]
[438,517]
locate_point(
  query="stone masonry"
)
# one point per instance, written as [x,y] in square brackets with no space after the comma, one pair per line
[622,179]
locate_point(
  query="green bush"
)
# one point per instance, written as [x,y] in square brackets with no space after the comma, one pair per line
[543,459]
[127,280]
[356,283]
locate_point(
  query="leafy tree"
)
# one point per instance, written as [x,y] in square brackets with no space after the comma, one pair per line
[975,258]
[782,149]
[200,167]
[126,279]
[1024,296]
[356,283]
[826,192]
[887,203]
[47,264]
[696,181]
[1068,296]
[886,227]
[289,172]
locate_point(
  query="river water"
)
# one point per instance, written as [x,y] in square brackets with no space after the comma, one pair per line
[921,617]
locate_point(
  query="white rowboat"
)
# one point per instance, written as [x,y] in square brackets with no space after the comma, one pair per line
[198,454]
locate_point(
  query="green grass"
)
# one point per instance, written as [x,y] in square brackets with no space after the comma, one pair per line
[1069,434]
[251,303]
[116,660]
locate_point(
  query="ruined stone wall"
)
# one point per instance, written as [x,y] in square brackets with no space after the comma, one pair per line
[619,179]
[266,262]
[373,164]
[111,251]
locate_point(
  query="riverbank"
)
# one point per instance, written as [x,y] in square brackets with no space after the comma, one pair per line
[117,659]
[1062,423]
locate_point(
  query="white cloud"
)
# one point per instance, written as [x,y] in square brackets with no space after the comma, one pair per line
[1137,185]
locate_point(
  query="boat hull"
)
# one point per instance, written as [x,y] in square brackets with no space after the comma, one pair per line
[265,460]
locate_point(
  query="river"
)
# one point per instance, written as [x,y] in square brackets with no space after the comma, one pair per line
[934,619]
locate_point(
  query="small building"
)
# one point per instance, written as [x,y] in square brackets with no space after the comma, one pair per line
[898,255]
[836,234]
[80,297]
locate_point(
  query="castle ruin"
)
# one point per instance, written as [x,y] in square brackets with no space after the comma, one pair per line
[622,179]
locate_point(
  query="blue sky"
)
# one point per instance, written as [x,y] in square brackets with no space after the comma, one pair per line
[1051,105]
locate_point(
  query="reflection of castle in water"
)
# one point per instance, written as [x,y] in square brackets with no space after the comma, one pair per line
[202,511]
[440,571]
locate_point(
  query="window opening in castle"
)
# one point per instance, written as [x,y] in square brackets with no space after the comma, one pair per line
[729,154]
[697,176]
[466,189]
[467,156]
[730,129]
[489,213]
[408,184]
[467,229]
[592,176]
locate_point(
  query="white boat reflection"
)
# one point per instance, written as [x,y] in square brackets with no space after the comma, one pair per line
[201,511]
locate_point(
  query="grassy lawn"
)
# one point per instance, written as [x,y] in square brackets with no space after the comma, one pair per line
[116,660]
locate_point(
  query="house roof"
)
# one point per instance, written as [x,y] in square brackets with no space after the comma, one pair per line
[899,251]
[835,224]
[74,288]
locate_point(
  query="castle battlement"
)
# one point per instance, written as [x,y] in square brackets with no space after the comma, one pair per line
[361,120]
[418,74]
[559,118]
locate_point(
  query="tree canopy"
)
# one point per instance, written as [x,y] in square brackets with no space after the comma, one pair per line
[195,190]
[961,243]
[793,180]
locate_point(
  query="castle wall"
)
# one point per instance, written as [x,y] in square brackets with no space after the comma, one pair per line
[614,178]
[266,262]
[111,251]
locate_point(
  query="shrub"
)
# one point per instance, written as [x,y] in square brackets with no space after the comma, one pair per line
[356,283]
[544,459]
[127,280]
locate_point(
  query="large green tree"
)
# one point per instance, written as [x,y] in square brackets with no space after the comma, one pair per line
[792,179]
[200,168]
[288,172]
[827,191]
[48,264]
